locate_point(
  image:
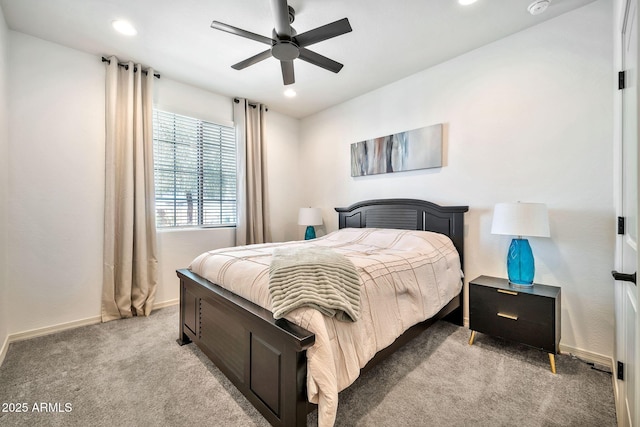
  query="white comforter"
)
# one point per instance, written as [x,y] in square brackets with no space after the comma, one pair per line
[405,278]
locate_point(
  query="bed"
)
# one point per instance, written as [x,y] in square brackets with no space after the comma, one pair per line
[266,358]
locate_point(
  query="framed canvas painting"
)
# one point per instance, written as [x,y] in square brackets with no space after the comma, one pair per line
[414,149]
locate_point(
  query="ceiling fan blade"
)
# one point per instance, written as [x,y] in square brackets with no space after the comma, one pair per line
[253,60]
[325,32]
[280,11]
[319,60]
[288,76]
[242,33]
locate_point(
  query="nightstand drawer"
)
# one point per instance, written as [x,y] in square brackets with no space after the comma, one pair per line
[525,307]
[520,330]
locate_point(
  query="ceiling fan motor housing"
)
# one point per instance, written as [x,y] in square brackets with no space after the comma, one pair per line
[285,50]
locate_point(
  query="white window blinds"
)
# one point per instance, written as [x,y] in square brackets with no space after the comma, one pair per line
[195,171]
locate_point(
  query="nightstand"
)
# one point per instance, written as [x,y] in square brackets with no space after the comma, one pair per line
[527,315]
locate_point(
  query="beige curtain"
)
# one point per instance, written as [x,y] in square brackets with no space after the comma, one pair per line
[130,261]
[253,220]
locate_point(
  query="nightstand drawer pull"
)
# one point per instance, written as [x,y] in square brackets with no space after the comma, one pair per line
[502,291]
[508,316]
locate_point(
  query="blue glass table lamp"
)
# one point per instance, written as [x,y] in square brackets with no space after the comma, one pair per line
[520,219]
[310,217]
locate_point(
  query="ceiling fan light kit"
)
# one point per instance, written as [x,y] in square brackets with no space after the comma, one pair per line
[286,45]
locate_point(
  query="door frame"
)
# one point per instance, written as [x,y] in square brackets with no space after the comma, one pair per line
[620,12]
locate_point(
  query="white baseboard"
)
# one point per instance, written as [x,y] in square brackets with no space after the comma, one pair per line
[588,356]
[32,333]
[167,303]
[47,330]
[3,349]
[616,397]
[38,332]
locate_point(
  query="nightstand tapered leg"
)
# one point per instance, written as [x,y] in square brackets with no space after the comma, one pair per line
[472,337]
[552,361]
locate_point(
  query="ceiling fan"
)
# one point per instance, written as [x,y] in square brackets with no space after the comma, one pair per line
[286,45]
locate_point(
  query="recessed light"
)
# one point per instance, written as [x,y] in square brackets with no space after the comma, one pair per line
[124,27]
[290,93]
[466,2]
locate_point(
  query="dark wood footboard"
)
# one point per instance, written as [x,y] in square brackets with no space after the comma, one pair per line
[263,357]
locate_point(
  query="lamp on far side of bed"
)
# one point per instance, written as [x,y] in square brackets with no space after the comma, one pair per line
[520,219]
[310,217]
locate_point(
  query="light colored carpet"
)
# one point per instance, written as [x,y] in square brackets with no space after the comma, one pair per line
[132,372]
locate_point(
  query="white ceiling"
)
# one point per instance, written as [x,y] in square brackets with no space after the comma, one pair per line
[390,39]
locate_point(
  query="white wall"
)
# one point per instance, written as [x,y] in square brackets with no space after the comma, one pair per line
[56,175]
[4,184]
[527,118]
[284,168]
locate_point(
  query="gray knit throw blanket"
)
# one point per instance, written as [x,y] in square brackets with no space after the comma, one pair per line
[317,277]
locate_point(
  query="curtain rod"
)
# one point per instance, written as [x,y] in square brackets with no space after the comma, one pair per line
[236,100]
[126,67]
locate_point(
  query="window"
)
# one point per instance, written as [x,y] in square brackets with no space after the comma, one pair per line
[195,171]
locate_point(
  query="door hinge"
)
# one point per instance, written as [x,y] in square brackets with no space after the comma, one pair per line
[620,371]
[621,229]
[621,80]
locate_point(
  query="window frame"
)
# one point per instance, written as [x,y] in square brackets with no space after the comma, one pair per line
[221,145]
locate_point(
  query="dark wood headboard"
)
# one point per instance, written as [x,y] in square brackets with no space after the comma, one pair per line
[407,214]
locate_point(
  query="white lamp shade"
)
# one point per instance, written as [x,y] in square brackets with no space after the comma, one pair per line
[310,216]
[521,219]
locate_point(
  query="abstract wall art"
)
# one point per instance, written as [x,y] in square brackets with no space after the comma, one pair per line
[404,151]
